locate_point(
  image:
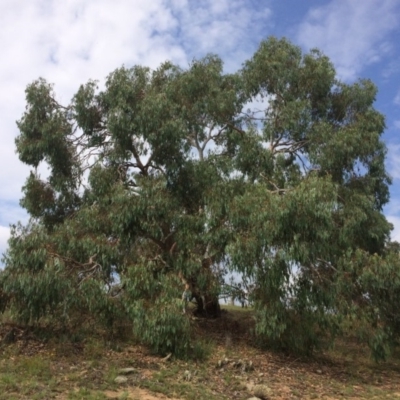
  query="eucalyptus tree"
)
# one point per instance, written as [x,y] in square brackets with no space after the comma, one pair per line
[170,177]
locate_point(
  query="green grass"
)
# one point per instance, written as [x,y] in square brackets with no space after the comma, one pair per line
[60,370]
[236,309]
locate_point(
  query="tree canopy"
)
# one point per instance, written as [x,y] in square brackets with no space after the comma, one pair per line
[176,176]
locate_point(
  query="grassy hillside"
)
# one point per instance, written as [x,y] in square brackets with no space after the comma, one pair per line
[226,364]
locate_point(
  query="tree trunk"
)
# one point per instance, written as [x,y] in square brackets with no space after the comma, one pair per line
[207,306]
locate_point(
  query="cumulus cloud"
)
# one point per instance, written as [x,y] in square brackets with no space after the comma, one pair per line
[231,28]
[4,235]
[396,100]
[9,213]
[353,34]
[70,42]
[395,234]
[393,160]
[392,68]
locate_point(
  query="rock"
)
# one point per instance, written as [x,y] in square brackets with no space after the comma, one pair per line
[187,376]
[253,398]
[262,391]
[223,362]
[127,371]
[121,379]
[248,366]
[319,371]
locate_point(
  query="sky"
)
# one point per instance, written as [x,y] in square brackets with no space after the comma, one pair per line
[69,42]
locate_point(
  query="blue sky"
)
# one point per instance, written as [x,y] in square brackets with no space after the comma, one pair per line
[69,42]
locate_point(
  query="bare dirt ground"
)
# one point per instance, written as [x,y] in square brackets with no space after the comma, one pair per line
[136,393]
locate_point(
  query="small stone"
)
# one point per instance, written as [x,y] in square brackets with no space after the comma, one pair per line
[319,371]
[121,379]
[248,366]
[262,391]
[261,375]
[127,371]
[187,376]
[253,398]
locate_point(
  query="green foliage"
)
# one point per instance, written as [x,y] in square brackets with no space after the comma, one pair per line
[173,177]
[370,286]
[162,326]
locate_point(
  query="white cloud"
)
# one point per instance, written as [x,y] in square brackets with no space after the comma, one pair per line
[395,234]
[396,100]
[228,28]
[393,207]
[4,235]
[393,160]
[392,68]
[70,42]
[352,33]
[9,213]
